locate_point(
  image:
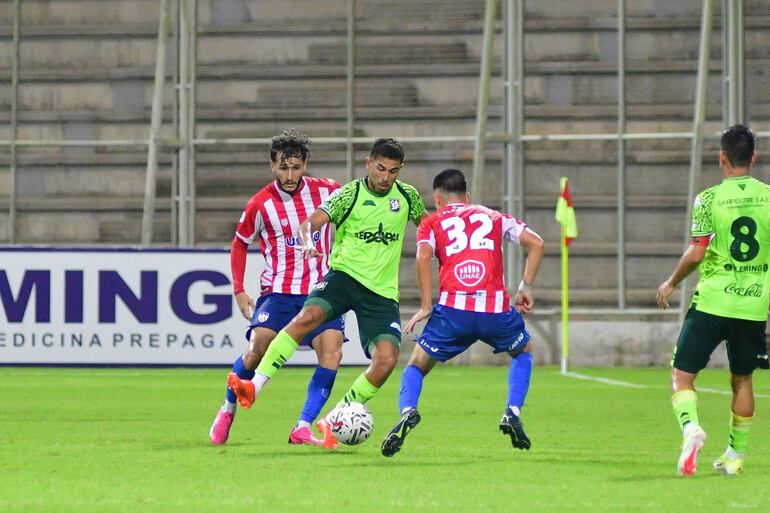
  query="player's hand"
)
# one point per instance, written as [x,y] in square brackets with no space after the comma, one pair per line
[664,292]
[524,302]
[309,251]
[422,313]
[245,304]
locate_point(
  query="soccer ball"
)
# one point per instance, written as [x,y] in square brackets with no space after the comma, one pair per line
[351,423]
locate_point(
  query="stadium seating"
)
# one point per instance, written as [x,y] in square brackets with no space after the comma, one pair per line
[85,75]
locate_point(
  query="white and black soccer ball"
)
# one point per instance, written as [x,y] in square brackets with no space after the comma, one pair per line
[351,423]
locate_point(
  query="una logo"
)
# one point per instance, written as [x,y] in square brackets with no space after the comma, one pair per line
[470,272]
[379,236]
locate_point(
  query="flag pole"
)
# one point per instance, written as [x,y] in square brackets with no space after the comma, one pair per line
[564,301]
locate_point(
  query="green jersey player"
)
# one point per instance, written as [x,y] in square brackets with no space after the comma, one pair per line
[730,246]
[370,216]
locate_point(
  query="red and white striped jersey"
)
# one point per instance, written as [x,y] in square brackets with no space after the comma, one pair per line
[273,216]
[467,241]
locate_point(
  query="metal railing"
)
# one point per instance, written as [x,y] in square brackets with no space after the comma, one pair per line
[512,138]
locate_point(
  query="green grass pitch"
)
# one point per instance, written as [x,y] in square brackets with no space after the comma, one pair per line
[105,440]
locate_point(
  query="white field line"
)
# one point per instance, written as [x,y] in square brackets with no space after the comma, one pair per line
[617,383]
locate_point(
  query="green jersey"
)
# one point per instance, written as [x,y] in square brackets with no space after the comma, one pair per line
[734,272]
[370,232]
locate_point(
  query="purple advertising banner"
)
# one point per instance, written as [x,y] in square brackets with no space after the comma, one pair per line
[126,306]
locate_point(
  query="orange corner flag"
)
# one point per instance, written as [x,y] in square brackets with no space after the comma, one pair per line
[565,213]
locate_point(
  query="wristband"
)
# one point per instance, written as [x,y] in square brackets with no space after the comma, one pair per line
[523,287]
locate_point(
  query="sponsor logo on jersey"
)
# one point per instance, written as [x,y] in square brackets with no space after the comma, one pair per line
[470,272]
[380,236]
[395,206]
[295,241]
[760,268]
[369,203]
[753,290]
[263,316]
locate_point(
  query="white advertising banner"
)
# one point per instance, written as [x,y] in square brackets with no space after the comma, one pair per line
[126,306]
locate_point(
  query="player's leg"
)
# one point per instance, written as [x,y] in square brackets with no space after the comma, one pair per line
[519,374]
[243,369]
[328,348]
[746,351]
[273,312]
[741,415]
[506,332]
[701,333]
[379,326]
[447,333]
[420,364]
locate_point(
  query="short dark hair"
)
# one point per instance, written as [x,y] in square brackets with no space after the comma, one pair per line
[290,143]
[451,181]
[388,148]
[738,144]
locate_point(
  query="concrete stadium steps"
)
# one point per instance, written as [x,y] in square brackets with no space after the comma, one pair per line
[88,75]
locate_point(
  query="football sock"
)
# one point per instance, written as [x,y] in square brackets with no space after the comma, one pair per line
[278,353]
[519,373]
[318,391]
[685,403]
[242,372]
[411,387]
[739,433]
[361,391]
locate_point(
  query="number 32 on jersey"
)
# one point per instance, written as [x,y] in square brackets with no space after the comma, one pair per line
[455,228]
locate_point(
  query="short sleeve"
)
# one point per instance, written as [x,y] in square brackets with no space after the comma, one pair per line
[416,206]
[425,234]
[339,203]
[702,219]
[250,222]
[512,228]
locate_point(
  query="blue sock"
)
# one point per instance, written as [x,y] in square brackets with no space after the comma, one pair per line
[318,391]
[242,372]
[411,387]
[518,379]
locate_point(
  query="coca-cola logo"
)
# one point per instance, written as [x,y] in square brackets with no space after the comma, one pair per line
[470,272]
[753,290]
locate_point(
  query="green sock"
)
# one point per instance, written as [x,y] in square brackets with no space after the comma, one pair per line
[361,391]
[739,432]
[279,351]
[685,405]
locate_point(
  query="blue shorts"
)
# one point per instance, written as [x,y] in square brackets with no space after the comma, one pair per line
[274,311]
[450,331]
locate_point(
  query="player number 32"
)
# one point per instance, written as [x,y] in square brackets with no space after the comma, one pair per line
[455,230]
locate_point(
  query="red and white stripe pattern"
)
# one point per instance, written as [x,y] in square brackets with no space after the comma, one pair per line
[481,301]
[273,216]
[467,241]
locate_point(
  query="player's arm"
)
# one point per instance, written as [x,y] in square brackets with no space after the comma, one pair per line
[535,247]
[238,253]
[306,230]
[690,261]
[425,282]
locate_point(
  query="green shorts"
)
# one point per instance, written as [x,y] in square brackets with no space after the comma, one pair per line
[703,332]
[378,316]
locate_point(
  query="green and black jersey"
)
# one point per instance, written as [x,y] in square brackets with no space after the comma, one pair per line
[734,280]
[370,232]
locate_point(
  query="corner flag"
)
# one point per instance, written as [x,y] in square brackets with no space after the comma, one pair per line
[565,215]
